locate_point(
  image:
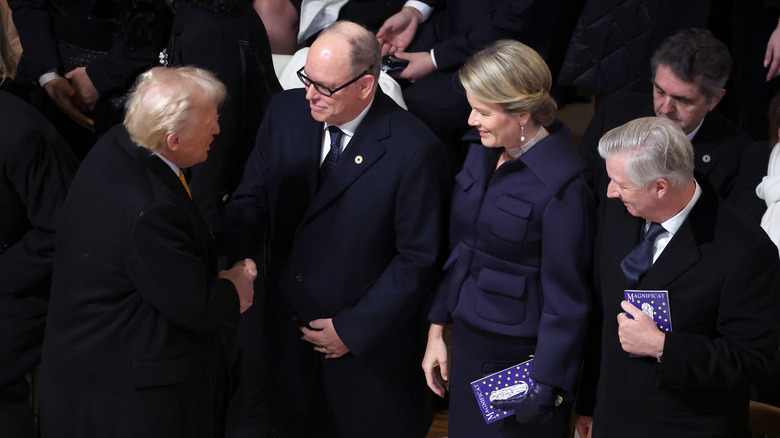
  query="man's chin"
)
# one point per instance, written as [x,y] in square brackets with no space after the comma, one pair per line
[318,114]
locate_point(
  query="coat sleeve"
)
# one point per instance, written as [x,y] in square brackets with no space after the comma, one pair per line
[40,175]
[165,264]
[506,20]
[31,18]
[565,273]
[745,342]
[404,285]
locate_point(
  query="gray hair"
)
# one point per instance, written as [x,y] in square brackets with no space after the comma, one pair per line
[512,75]
[656,148]
[694,53]
[365,51]
[162,101]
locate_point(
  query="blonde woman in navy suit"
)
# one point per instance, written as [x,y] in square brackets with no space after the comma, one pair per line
[521,242]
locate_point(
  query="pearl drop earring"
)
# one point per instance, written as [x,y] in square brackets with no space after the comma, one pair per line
[522,132]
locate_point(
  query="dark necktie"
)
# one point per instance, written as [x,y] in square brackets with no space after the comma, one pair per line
[330,160]
[639,260]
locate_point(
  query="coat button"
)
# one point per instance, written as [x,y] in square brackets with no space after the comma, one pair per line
[293,317]
[299,277]
[706,158]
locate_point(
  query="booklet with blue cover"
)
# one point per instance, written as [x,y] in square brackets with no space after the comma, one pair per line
[653,303]
[514,381]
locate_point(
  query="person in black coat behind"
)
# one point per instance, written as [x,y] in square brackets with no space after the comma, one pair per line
[85,55]
[227,38]
[37,168]
[689,71]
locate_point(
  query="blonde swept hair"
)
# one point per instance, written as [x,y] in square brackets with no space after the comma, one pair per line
[512,75]
[162,102]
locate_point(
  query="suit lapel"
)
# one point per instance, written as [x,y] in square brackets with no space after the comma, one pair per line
[362,152]
[364,149]
[683,251]
[679,256]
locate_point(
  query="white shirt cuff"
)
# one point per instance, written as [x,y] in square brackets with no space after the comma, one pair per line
[433,58]
[47,77]
[424,9]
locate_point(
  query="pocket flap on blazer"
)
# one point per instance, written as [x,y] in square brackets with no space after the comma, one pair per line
[160,372]
[514,206]
[501,283]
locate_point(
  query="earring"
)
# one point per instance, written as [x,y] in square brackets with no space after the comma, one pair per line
[522,132]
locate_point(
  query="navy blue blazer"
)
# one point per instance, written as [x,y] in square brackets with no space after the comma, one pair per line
[723,277]
[363,248]
[522,240]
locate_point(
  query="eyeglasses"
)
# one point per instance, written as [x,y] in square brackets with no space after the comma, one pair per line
[325,91]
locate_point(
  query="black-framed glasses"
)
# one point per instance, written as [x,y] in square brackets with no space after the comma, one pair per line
[325,91]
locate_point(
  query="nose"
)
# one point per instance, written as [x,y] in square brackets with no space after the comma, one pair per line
[472,118]
[612,191]
[667,106]
[216,128]
[311,93]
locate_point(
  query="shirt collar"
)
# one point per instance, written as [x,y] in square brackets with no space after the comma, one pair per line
[173,167]
[693,133]
[674,224]
[350,127]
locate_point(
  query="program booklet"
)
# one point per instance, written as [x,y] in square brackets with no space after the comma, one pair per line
[514,381]
[653,303]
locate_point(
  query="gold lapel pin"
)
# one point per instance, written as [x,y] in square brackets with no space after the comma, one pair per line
[358,159]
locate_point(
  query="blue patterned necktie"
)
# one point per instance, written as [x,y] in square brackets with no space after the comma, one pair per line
[639,260]
[330,160]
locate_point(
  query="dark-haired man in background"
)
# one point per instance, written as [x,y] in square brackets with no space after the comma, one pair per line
[690,69]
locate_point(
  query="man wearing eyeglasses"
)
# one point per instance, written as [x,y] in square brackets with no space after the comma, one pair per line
[345,192]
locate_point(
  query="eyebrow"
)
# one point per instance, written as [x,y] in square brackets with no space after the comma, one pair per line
[674,96]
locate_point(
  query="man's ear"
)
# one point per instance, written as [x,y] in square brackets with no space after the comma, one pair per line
[366,84]
[660,187]
[172,140]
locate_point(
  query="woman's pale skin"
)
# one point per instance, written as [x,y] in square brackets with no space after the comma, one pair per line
[497,129]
